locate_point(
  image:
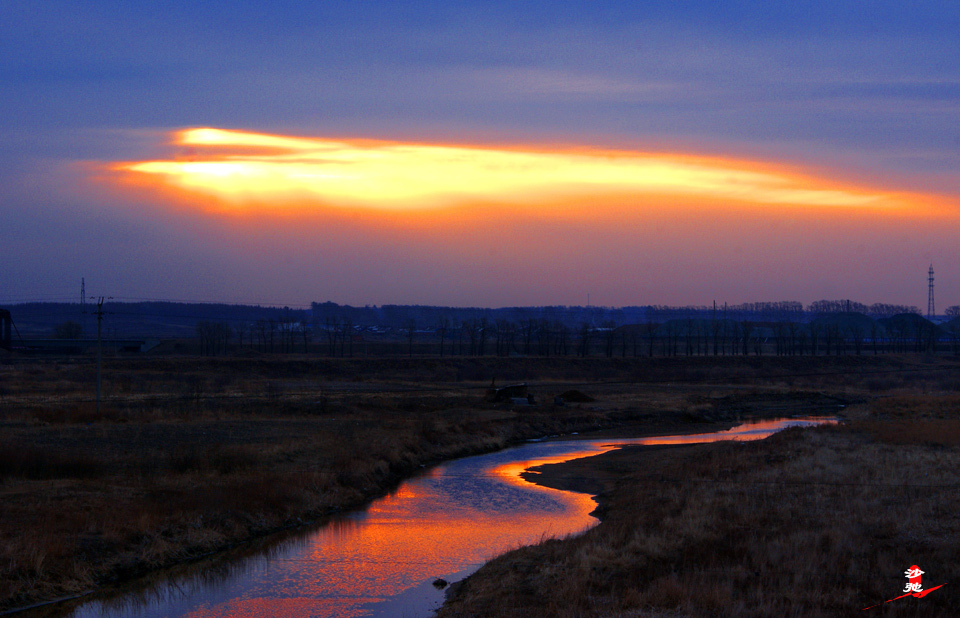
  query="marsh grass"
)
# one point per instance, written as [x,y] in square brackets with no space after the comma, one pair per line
[155,477]
[189,456]
[807,523]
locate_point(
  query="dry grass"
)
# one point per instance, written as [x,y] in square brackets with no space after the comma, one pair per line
[156,478]
[120,505]
[807,523]
[190,456]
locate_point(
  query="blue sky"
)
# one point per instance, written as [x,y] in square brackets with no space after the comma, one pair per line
[864,91]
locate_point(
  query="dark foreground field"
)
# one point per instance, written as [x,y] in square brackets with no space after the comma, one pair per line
[191,456]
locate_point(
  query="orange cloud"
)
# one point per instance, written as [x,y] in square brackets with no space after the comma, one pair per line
[242,168]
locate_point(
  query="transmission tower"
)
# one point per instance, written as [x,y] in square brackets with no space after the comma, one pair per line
[99,314]
[931,310]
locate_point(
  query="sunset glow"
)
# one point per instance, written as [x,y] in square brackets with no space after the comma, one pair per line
[238,167]
[531,154]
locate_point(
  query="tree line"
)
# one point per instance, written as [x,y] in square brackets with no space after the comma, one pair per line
[838,333]
[782,328]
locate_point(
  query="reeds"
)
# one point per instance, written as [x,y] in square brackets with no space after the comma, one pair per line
[807,523]
[188,456]
[87,498]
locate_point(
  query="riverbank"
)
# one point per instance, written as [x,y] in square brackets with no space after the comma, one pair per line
[94,504]
[814,522]
[191,456]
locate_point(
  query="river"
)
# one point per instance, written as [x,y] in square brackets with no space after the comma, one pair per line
[382,561]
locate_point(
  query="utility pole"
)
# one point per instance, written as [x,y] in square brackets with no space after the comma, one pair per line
[99,314]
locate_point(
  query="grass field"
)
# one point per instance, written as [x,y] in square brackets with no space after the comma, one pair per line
[188,456]
[811,523]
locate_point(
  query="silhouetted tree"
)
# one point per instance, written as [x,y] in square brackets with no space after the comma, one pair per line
[543,337]
[562,338]
[442,329]
[856,334]
[241,329]
[650,329]
[609,336]
[305,331]
[411,329]
[583,347]
[815,330]
[482,336]
[746,329]
[331,328]
[213,337]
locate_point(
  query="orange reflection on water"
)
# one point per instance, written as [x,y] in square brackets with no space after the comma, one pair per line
[753,430]
[444,524]
[511,472]
[434,526]
[260,607]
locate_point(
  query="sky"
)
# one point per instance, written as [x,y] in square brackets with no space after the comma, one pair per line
[480,153]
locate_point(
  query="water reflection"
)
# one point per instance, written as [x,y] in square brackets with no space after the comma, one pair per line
[380,562]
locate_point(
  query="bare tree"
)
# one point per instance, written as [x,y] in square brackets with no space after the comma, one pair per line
[262,334]
[346,337]
[473,332]
[241,329]
[609,336]
[650,329]
[746,328]
[442,326]
[528,328]
[463,327]
[411,330]
[304,331]
[562,338]
[214,337]
[856,334]
[332,327]
[543,337]
[501,331]
[482,336]
[583,347]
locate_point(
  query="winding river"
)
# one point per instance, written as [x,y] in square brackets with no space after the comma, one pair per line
[382,561]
